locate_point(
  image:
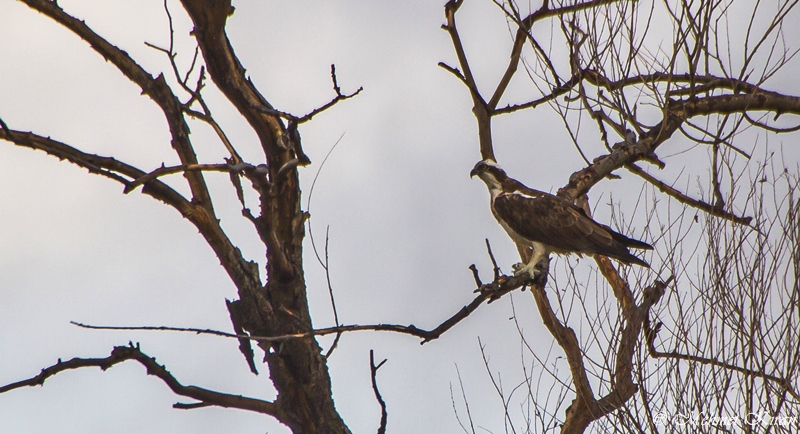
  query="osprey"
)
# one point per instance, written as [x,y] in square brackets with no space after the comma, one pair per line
[548,223]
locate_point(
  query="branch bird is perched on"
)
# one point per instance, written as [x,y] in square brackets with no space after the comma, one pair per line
[548,223]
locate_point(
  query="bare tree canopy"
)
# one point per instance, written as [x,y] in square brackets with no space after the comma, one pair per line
[320,154]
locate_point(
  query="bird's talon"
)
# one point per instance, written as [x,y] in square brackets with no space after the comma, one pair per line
[531,269]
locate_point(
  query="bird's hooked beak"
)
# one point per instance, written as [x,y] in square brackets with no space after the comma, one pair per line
[478,169]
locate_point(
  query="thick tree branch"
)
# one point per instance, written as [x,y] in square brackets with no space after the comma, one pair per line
[105,166]
[546,12]
[480,109]
[676,112]
[710,82]
[200,213]
[229,75]
[156,88]
[279,215]
[568,341]
[623,387]
[511,69]
[131,352]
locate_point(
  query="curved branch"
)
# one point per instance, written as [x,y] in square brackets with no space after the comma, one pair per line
[200,210]
[769,127]
[710,82]
[676,112]
[242,272]
[106,166]
[156,88]
[699,204]
[131,352]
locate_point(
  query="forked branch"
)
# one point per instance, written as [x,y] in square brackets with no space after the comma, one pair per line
[373,369]
[297,120]
[120,354]
[154,87]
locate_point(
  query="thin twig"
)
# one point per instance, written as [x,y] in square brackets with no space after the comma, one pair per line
[681,197]
[373,369]
[194,94]
[453,71]
[556,92]
[168,170]
[330,292]
[307,117]
[476,275]
[322,263]
[495,267]
[489,292]
[652,333]
[466,403]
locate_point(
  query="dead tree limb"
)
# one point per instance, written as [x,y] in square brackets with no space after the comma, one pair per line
[132,352]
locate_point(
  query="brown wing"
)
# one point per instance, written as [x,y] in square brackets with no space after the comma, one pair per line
[557,223]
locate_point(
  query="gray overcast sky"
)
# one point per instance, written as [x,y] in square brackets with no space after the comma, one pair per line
[405,219]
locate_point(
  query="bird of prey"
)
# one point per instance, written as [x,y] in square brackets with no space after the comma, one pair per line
[548,223]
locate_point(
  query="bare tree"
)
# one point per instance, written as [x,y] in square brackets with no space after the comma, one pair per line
[729,346]
[724,342]
[277,305]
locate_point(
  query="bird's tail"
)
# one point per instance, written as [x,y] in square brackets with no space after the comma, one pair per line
[621,253]
[630,259]
[630,242]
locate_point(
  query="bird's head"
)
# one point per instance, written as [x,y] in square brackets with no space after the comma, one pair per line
[490,173]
